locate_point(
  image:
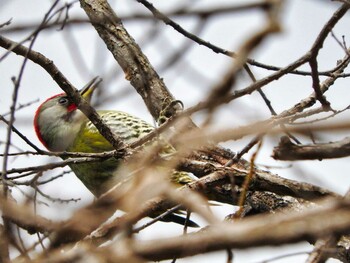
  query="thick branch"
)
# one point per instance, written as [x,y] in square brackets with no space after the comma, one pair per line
[128,54]
[261,230]
[286,150]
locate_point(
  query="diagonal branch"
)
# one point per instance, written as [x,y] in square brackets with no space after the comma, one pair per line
[263,230]
[66,86]
[136,66]
[286,150]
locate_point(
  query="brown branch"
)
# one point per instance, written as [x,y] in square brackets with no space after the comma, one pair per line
[137,68]
[262,181]
[283,71]
[311,99]
[286,150]
[247,182]
[74,229]
[66,86]
[89,218]
[316,81]
[86,220]
[272,26]
[332,246]
[260,230]
[22,216]
[210,186]
[252,87]
[197,139]
[318,44]
[50,166]
[320,253]
[4,242]
[200,13]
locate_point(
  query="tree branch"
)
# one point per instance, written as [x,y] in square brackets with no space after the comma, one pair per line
[136,66]
[286,150]
[263,230]
[66,86]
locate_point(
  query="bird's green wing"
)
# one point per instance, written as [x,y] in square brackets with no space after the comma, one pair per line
[127,127]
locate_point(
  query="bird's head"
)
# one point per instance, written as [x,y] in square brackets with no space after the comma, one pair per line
[58,120]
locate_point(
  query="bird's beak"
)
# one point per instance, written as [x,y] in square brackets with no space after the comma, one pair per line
[87,91]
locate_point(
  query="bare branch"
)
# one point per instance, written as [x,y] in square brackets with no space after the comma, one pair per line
[68,88]
[134,63]
[286,150]
[258,231]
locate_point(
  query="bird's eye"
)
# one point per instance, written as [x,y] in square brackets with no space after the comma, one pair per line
[63,101]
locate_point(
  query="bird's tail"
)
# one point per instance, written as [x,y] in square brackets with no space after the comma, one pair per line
[179,220]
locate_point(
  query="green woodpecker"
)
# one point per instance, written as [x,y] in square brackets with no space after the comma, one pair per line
[61,126]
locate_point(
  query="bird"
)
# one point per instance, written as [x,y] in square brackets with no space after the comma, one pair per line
[61,127]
